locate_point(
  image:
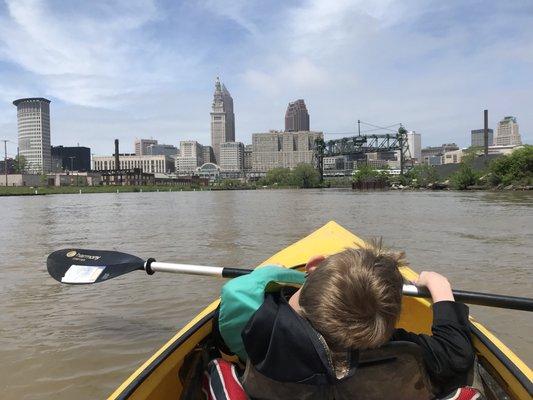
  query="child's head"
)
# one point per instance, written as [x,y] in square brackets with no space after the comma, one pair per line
[353,298]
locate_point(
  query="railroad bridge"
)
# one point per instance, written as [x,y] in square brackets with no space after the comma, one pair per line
[361,144]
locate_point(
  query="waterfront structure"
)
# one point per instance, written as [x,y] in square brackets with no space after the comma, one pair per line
[208,171]
[508,133]
[162,150]
[127,177]
[141,146]
[159,164]
[21,180]
[76,158]
[452,157]
[75,179]
[478,138]
[222,119]
[191,157]
[33,117]
[282,149]
[247,158]
[209,155]
[432,151]
[414,141]
[232,156]
[296,117]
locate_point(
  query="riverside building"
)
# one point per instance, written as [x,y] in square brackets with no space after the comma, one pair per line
[296,117]
[190,158]
[159,164]
[282,149]
[232,157]
[33,118]
[507,133]
[222,119]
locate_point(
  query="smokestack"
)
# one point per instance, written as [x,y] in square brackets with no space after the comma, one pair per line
[117,165]
[486,132]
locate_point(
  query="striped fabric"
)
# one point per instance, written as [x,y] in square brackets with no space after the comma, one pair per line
[221,383]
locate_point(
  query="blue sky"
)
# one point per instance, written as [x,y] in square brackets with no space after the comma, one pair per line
[131,68]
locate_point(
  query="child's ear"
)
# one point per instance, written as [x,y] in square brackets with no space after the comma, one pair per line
[313,263]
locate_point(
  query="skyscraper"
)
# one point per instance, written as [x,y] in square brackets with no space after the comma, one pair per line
[222,119]
[296,117]
[508,133]
[141,146]
[33,116]
[478,138]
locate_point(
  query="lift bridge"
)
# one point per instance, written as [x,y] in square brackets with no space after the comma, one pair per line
[361,144]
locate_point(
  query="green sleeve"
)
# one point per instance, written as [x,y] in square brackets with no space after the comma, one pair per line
[242,296]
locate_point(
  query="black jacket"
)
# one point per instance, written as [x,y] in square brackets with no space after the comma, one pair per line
[283,346]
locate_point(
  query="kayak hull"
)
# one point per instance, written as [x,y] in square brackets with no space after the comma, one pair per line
[157,378]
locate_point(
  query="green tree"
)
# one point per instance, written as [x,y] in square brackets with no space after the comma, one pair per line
[278,176]
[464,177]
[422,175]
[514,168]
[367,173]
[305,176]
[20,164]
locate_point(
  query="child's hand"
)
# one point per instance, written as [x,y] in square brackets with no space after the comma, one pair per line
[438,286]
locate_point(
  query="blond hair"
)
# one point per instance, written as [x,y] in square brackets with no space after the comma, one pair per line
[353,298]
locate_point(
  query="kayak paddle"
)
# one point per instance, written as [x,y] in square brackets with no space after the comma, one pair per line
[77,266]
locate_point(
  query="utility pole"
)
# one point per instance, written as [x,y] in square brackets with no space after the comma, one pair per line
[486,133]
[5,157]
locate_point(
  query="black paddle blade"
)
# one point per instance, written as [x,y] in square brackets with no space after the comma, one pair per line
[77,266]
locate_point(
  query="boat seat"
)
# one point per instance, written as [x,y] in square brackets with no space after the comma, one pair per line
[393,371]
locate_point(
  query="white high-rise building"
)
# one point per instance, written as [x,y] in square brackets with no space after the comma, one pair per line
[33,116]
[232,156]
[414,140]
[222,119]
[191,156]
[508,133]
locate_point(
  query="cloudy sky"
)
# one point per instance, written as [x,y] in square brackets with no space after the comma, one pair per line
[135,68]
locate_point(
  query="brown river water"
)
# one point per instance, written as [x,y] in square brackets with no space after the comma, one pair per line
[80,342]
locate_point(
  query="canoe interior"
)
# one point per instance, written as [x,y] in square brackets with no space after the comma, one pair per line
[158,377]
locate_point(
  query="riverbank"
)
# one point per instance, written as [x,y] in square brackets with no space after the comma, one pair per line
[44,190]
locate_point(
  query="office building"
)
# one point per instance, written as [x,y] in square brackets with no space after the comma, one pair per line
[161,150]
[414,141]
[282,149]
[232,156]
[247,158]
[296,117]
[191,157]
[141,146]
[33,117]
[507,133]
[222,119]
[160,164]
[478,137]
[436,151]
[209,155]
[452,157]
[76,158]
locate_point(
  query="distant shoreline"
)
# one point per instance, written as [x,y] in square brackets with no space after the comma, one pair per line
[42,191]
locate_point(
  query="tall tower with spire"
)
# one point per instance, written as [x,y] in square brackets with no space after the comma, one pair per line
[222,119]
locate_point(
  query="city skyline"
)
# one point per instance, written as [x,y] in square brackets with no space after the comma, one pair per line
[416,64]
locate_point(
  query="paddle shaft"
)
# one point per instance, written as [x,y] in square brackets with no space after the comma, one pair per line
[463,296]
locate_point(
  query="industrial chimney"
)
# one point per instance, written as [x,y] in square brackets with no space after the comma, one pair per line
[117,164]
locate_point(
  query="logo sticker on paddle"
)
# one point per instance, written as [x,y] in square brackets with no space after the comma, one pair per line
[82,274]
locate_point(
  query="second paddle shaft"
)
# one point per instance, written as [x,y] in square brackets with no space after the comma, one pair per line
[484,299]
